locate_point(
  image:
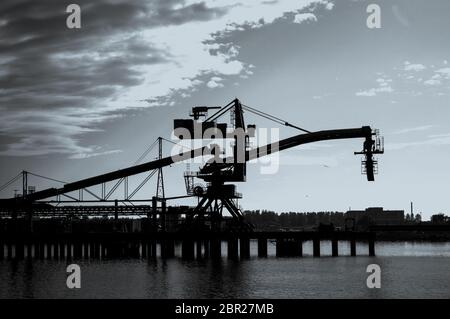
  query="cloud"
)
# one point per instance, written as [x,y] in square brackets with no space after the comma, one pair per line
[438,77]
[92,153]
[128,54]
[49,132]
[431,79]
[214,82]
[413,67]
[329,6]
[304,17]
[383,87]
[432,82]
[444,72]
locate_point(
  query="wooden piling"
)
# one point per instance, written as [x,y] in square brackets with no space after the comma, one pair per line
[20,247]
[91,250]
[9,246]
[244,247]
[316,247]
[187,249]
[151,249]
[35,246]
[29,250]
[352,247]
[299,247]
[96,249]
[167,248]
[206,248]
[103,250]
[262,247]
[62,249]
[232,248]
[198,244]
[49,250]
[55,250]
[334,247]
[41,250]
[77,250]
[215,248]
[371,247]
[279,247]
[144,249]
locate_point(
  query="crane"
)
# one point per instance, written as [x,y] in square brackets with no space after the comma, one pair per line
[219,194]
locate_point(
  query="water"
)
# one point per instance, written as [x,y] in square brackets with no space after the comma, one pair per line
[409,270]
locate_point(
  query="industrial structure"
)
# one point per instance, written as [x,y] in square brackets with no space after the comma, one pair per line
[216,192]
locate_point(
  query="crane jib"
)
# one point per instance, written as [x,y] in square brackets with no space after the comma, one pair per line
[363,132]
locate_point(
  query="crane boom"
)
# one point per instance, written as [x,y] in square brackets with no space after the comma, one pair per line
[363,132]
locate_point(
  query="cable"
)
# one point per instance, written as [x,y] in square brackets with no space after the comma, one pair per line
[146,152]
[175,143]
[273,118]
[220,112]
[44,177]
[10,182]
[63,182]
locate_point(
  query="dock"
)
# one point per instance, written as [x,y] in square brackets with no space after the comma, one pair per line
[194,245]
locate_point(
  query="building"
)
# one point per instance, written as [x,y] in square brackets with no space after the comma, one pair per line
[440,219]
[375,216]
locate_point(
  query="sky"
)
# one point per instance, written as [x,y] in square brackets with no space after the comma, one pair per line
[80,102]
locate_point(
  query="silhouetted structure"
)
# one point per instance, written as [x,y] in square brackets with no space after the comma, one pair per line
[167,223]
[375,216]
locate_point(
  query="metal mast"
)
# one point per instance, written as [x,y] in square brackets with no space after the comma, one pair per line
[160,184]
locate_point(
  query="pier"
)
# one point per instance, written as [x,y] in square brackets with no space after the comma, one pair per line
[162,245]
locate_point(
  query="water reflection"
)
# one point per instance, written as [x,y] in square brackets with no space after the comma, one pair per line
[422,273]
